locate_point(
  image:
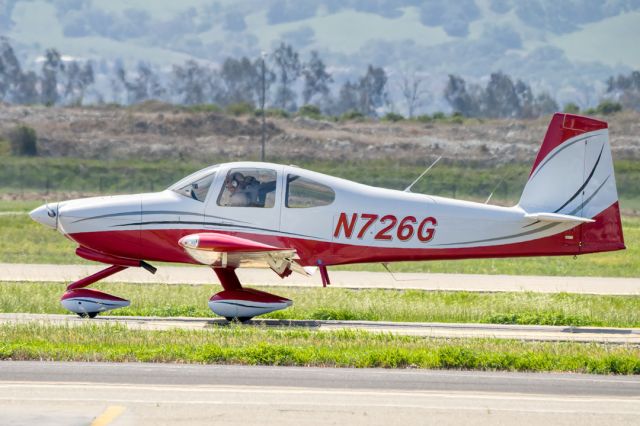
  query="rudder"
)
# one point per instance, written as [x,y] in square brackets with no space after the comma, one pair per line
[573,175]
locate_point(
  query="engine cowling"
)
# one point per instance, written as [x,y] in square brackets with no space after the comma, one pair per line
[246,303]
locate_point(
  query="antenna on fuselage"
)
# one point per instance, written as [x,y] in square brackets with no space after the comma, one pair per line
[496,187]
[408,188]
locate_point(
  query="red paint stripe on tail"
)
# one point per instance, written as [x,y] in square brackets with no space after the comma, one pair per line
[562,128]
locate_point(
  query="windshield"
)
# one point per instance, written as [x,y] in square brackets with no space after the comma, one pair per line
[197,184]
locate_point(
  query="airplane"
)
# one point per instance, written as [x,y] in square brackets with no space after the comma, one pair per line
[253,214]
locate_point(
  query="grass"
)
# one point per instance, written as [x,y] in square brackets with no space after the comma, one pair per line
[25,241]
[260,346]
[457,180]
[344,304]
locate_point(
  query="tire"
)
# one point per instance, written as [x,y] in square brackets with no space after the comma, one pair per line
[238,319]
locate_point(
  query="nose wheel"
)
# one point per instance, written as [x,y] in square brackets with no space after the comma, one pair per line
[88,303]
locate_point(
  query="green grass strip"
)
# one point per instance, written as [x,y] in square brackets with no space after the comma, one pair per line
[344,304]
[260,346]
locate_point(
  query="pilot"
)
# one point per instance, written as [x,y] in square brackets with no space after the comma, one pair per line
[247,191]
[235,184]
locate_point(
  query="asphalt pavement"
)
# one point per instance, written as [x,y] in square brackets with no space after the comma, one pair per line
[48,393]
[342,279]
[448,330]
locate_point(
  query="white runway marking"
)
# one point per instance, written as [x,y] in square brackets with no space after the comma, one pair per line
[74,393]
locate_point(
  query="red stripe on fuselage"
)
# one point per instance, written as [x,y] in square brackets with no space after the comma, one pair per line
[605,234]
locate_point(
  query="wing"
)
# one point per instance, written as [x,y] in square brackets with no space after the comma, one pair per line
[223,251]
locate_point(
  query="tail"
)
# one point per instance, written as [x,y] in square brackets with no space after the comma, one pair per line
[572,179]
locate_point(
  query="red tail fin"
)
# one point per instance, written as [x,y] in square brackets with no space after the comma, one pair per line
[573,175]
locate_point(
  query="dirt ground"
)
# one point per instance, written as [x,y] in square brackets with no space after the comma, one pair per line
[170,133]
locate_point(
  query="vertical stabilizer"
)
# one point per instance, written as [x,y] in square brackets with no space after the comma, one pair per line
[573,175]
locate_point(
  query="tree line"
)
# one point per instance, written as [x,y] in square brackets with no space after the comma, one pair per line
[282,80]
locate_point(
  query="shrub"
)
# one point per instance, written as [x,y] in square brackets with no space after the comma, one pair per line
[607,107]
[457,118]
[352,115]
[275,112]
[571,108]
[392,116]
[5,147]
[424,118]
[240,108]
[439,115]
[203,108]
[310,111]
[23,140]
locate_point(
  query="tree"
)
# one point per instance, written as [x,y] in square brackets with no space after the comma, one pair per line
[78,78]
[118,83]
[413,91]
[372,88]
[51,68]
[241,81]
[500,97]
[192,82]
[527,107]
[316,78]
[10,72]
[287,63]
[145,85]
[544,105]
[571,108]
[626,89]
[27,89]
[348,99]
[459,98]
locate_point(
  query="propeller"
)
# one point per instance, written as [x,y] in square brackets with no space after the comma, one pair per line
[51,212]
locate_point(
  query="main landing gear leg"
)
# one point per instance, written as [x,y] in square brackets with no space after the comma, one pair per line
[88,303]
[237,303]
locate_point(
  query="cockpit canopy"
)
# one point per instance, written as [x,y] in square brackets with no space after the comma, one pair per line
[255,187]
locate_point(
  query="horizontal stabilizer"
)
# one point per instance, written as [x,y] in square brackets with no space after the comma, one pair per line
[557,218]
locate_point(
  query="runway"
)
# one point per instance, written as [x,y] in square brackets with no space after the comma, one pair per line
[48,393]
[341,279]
[453,330]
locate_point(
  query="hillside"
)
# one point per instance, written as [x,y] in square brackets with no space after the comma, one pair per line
[569,48]
[159,132]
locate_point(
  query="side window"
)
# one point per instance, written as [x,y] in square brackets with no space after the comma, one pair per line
[302,193]
[249,188]
[198,188]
